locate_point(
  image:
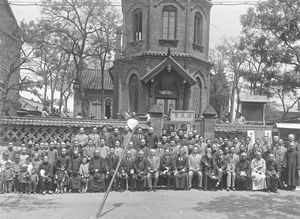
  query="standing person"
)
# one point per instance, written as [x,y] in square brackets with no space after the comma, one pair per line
[88,151]
[11,152]
[279,153]
[195,167]
[81,137]
[236,144]
[292,142]
[24,179]
[16,168]
[291,164]
[181,170]
[114,137]
[118,149]
[209,168]
[151,139]
[126,136]
[103,149]
[167,167]
[95,137]
[84,172]
[97,173]
[153,169]
[248,145]
[7,177]
[140,135]
[272,174]
[23,155]
[46,175]
[105,134]
[258,175]
[34,181]
[75,177]
[143,147]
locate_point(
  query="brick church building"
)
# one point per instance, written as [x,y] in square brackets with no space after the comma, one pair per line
[165,60]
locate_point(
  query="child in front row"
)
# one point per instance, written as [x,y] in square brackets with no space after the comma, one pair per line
[84,172]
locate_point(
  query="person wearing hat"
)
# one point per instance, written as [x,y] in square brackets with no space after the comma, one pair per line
[258,174]
[181,170]
[97,173]
[140,171]
[153,169]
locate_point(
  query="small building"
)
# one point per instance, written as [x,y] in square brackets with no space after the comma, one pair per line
[284,129]
[92,81]
[253,108]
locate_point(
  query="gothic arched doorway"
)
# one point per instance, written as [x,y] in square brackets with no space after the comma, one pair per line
[133,88]
[108,104]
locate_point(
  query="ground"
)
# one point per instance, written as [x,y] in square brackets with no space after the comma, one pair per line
[159,204]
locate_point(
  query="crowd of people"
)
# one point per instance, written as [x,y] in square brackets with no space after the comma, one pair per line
[173,160]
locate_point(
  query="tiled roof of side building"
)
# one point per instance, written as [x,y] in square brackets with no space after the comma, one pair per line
[92,80]
[58,122]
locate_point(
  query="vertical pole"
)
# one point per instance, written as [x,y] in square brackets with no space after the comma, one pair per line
[113,178]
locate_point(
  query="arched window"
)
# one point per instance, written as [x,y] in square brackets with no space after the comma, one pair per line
[108,104]
[137,24]
[133,87]
[198,29]
[169,22]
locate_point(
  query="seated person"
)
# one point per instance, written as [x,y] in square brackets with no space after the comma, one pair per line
[195,167]
[126,171]
[111,163]
[167,167]
[140,171]
[181,169]
[221,162]
[272,174]
[209,168]
[243,173]
[153,168]
[97,173]
[258,167]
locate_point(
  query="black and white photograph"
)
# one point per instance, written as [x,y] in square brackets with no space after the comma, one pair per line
[149,109]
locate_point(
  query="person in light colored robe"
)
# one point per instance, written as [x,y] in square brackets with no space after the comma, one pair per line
[258,175]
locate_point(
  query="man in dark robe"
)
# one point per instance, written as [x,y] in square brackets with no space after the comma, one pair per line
[143,147]
[111,163]
[126,171]
[63,164]
[115,136]
[209,169]
[167,167]
[272,174]
[181,164]
[46,175]
[291,163]
[97,173]
[243,173]
[221,162]
[75,178]
[140,171]
[151,139]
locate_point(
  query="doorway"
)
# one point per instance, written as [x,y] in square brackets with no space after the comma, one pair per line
[166,105]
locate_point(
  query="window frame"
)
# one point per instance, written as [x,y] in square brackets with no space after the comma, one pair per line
[198,28]
[137,24]
[169,9]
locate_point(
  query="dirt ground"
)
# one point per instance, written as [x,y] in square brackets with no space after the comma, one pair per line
[159,204]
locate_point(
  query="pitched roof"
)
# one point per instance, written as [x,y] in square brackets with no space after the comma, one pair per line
[165,54]
[169,61]
[254,99]
[92,80]
[209,110]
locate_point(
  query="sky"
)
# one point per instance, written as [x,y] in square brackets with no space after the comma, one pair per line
[224,19]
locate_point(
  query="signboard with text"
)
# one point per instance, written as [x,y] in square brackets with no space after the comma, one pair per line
[182,116]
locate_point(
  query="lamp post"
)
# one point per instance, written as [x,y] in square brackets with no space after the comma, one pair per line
[132,124]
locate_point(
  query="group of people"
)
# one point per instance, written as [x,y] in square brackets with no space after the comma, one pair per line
[173,160]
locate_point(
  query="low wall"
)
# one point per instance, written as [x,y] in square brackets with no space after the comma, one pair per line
[22,129]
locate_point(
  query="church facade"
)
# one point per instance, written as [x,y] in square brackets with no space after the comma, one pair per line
[165,46]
